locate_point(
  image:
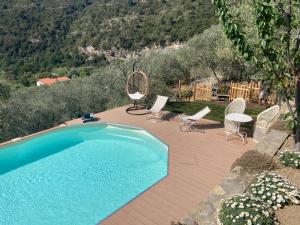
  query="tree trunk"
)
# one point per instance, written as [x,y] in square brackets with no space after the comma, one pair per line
[297,104]
[216,76]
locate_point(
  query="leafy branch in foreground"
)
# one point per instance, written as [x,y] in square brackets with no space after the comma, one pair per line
[271,48]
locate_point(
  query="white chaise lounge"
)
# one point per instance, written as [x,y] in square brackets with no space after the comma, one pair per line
[188,121]
[156,110]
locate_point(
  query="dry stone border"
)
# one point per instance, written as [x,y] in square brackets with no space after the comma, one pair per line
[206,211]
[235,183]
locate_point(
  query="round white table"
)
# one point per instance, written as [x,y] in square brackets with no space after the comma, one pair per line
[238,118]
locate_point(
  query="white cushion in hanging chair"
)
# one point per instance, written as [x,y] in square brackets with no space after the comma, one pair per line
[136,96]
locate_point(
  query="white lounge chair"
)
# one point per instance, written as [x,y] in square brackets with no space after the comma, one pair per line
[238,105]
[265,120]
[189,121]
[155,111]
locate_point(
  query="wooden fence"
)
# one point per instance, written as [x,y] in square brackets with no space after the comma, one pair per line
[248,91]
[272,99]
[198,91]
[201,91]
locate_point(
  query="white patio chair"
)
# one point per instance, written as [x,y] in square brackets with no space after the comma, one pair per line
[156,110]
[238,105]
[189,121]
[265,120]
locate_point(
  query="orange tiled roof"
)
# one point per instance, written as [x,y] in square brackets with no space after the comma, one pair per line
[50,81]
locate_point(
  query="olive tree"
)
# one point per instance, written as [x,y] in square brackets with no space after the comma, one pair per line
[32,109]
[212,54]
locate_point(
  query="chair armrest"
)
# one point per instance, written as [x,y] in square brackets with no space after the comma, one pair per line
[181,117]
[267,123]
[184,119]
[272,121]
[258,118]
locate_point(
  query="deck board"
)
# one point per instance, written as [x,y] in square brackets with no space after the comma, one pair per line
[197,163]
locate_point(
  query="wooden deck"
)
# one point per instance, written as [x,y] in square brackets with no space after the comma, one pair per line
[197,163]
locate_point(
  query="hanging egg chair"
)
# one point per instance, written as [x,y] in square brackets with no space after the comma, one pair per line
[137,90]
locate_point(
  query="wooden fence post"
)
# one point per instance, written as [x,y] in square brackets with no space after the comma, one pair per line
[194,91]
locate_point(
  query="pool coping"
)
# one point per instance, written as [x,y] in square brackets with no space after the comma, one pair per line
[66,125]
[22,138]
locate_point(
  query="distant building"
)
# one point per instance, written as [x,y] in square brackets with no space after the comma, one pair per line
[50,81]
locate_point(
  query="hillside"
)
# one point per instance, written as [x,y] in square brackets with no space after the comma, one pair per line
[40,35]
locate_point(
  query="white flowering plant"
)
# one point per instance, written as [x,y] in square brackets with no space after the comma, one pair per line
[274,190]
[246,209]
[291,159]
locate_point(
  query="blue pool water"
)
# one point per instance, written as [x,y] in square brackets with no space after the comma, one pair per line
[77,175]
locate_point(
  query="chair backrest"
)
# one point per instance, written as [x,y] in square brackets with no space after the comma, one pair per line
[203,112]
[269,114]
[238,105]
[159,104]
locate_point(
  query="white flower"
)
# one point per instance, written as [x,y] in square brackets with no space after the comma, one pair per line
[269,202]
[266,213]
[279,200]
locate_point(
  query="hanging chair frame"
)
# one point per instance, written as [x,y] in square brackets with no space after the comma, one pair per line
[135,106]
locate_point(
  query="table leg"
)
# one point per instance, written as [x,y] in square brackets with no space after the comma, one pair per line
[234,132]
[237,133]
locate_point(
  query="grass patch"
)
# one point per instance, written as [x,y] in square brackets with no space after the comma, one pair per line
[190,108]
[217,110]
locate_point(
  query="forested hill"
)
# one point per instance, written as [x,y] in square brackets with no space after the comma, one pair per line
[37,35]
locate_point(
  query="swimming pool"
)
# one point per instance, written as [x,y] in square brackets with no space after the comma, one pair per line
[77,175]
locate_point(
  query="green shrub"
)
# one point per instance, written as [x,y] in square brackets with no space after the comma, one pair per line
[246,210]
[185,94]
[274,190]
[223,89]
[32,109]
[290,159]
